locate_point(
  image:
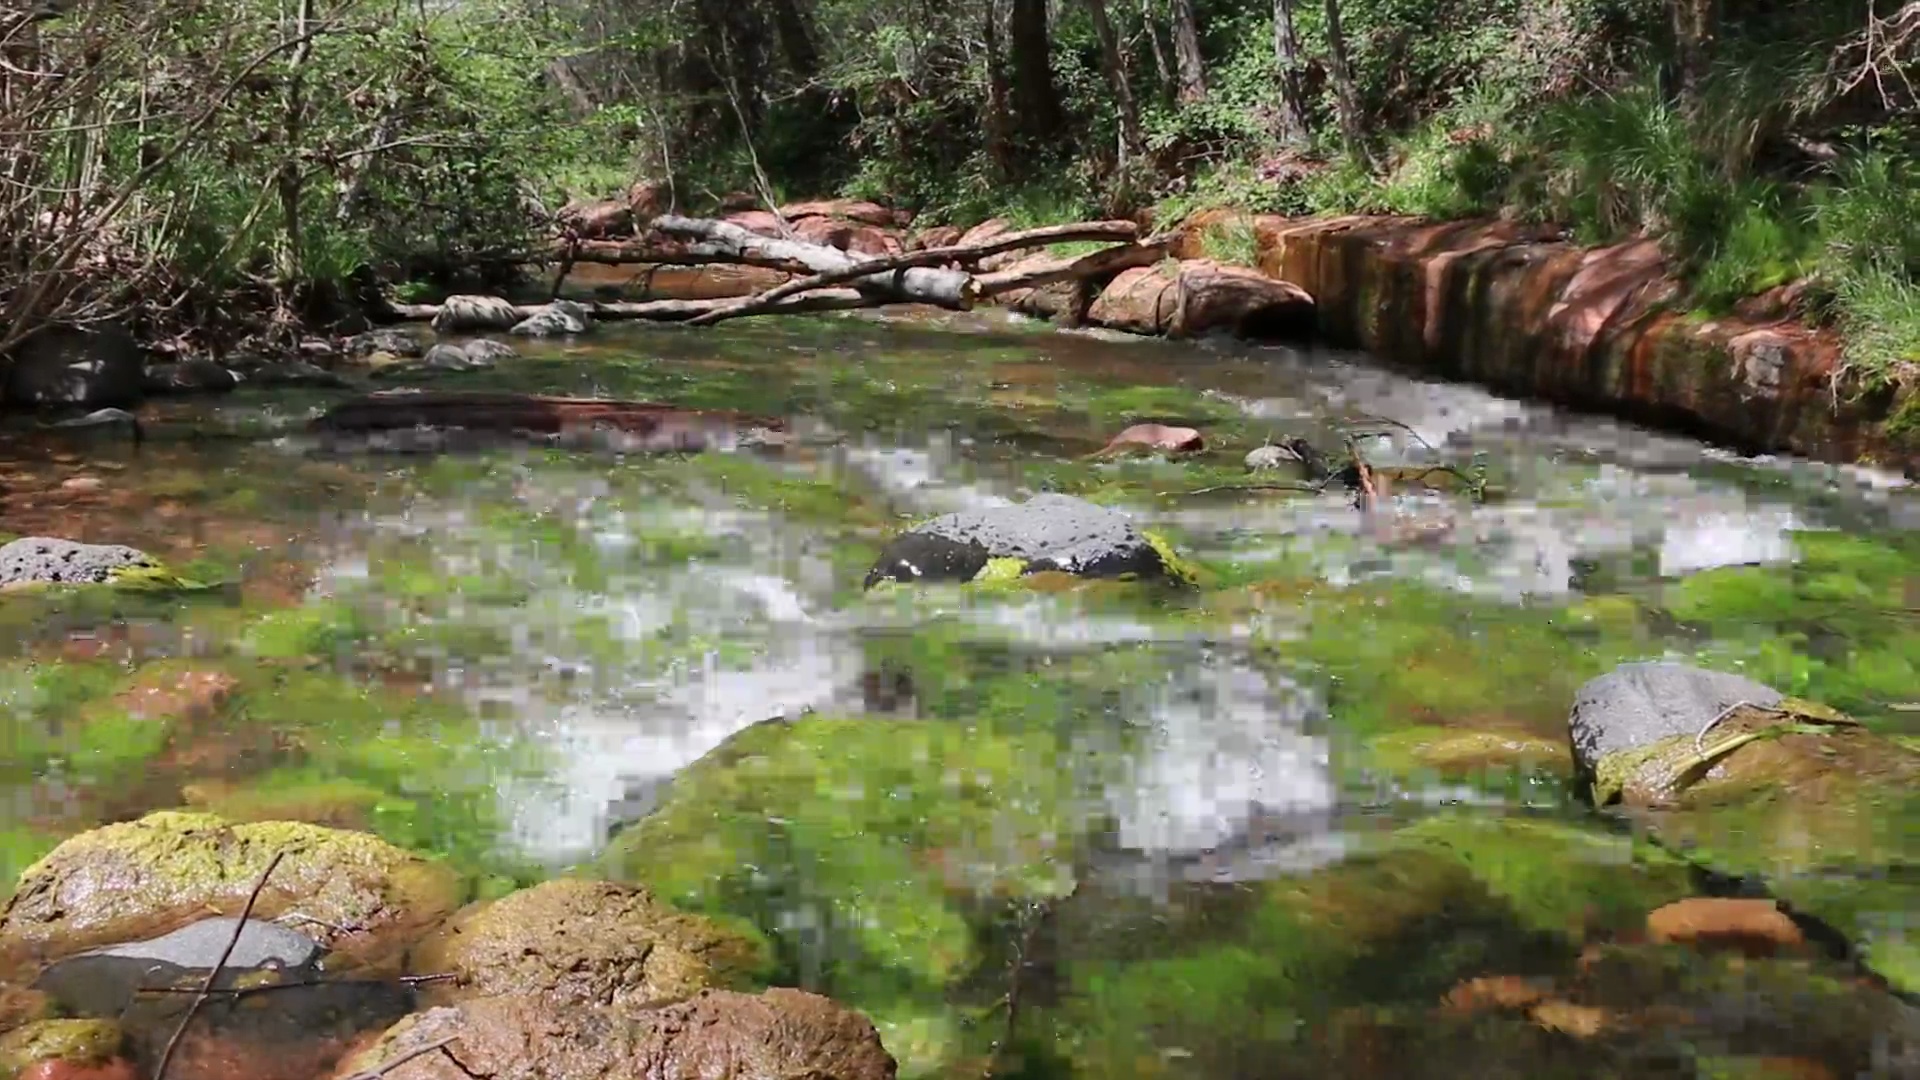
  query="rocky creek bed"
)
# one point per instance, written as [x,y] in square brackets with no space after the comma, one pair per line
[948,735]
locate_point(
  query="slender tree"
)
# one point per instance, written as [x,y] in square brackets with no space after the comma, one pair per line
[1346,98]
[1291,125]
[1036,101]
[1113,63]
[1186,52]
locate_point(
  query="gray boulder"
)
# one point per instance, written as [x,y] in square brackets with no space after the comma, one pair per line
[1047,532]
[88,368]
[1639,704]
[557,318]
[33,560]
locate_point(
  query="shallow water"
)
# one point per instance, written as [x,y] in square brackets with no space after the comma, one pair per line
[508,656]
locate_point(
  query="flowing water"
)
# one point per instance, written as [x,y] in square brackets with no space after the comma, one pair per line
[514,658]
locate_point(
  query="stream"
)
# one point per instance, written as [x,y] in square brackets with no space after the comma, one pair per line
[523,660]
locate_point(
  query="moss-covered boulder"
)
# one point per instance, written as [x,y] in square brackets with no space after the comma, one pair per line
[1797,794]
[1049,532]
[866,850]
[718,1033]
[87,1043]
[586,942]
[131,880]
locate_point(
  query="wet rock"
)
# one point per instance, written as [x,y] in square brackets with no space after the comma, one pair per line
[393,342]
[197,376]
[106,981]
[1756,927]
[36,560]
[296,373]
[855,210]
[1199,296]
[579,942]
[561,317]
[780,1033]
[1047,532]
[83,484]
[1178,440]
[1636,705]
[84,368]
[470,314]
[937,236]
[128,880]
[76,1044]
[440,359]
[486,352]
[1267,458]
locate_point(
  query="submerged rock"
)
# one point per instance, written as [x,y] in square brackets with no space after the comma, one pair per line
[125,881]
[1047,532]
[558,318]
[77,367]
[38,560]
[1637,705]
[79,1044]
[487,352]
[445,358]
[580,942]
[198,376]
[1754,784]
[296,373]
[719,1033]
[104,982]
[391,341]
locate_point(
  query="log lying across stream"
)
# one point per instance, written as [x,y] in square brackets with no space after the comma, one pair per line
[834,280]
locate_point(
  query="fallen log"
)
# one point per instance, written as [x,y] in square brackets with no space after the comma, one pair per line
[1111,259]
[659,310]
[646,425]
[634,253]
[922,284]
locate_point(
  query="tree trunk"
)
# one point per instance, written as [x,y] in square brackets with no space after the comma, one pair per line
[999,143]
[793,28]
[1114,62]
[1346,98]
[1291,128]
[1186,52]
[923,285]
[1696,23]
[1036,101]
[291,180]
[1161,65]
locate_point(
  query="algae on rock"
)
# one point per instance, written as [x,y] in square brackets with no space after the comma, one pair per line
[131,879]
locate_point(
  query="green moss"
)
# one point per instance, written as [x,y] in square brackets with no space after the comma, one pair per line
[171,863]
[77,1042]
[317,629]
[1001,571]
[1177,568]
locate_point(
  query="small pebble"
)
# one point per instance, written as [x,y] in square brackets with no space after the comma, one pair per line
[82,484]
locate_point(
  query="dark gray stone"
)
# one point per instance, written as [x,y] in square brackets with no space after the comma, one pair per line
[296,373]
[190,377]
[50,560]
[1049,532]
[558,318]
[1638,704]
[397,342]
[87,368]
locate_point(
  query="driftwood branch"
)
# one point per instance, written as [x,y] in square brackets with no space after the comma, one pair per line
[954,289]
[901,265]
[206,988]
[662,310]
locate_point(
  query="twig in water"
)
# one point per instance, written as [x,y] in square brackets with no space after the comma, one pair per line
[1367,490]
[1370,418]
[1311,489]
[1700,736]
[206,989]
[382,1070]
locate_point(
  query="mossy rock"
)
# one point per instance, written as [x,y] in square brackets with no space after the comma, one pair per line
[76,1042]
[1819,806]
[1455,752]
[585,942]
[135,879]
[883,837]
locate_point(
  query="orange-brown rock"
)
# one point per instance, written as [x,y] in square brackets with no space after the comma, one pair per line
[648,199]
[991,229]
[603,220]
[780,1033]
[1197,233]
[116,1069]
[1522,309]
[856,210]
[1199,296]
[1582,1021]
[755,221]
[1490,992]
[716,281]
[935,237]
[1064,302]
[850,236]
[1754,926]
